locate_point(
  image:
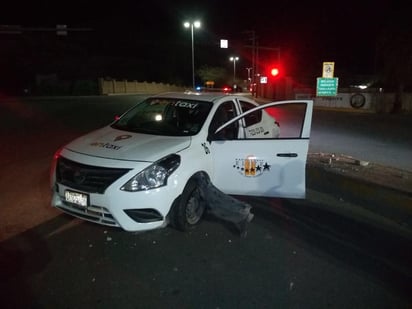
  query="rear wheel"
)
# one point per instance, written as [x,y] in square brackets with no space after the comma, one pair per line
[189,208]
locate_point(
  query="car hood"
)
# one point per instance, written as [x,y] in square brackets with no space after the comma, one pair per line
[122,145]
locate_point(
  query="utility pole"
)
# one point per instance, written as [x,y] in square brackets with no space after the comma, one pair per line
[256,49]
[249,80]
[252,38]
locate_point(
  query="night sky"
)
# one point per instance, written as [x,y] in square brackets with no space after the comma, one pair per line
[307,32]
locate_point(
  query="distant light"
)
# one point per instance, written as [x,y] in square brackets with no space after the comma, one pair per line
[195,24]
[224,43]
[360,86]
[158,117]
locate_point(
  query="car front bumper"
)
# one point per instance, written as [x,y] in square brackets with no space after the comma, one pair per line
[131,211]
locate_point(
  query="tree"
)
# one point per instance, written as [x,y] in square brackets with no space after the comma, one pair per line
[216,74]
[394,55]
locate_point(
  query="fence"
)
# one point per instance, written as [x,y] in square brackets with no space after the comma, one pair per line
[107,87]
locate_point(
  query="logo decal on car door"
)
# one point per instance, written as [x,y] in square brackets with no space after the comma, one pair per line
[251,166]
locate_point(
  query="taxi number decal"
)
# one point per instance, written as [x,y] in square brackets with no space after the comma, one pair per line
[256,131]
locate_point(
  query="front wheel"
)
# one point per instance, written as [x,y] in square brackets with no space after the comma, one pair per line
[189,208]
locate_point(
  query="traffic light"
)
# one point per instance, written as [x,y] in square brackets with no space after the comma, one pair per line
[274,71]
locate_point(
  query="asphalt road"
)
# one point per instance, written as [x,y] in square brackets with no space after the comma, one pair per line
[296,255]
[286,261]
[385,139]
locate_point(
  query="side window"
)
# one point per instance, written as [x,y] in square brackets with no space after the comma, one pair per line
[290,119]
[280,121]
[252,118]
[257,124]
[224,113]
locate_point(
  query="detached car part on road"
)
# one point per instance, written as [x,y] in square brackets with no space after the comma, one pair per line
[152,166]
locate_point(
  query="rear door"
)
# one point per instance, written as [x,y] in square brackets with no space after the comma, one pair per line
[270,163]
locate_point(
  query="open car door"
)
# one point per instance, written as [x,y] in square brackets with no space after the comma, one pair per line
[268,155]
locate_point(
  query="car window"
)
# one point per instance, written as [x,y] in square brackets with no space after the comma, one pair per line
[223,114]
[253,117]
[275,121]
[289,117]
[281,121]
[258,124]
[165,116]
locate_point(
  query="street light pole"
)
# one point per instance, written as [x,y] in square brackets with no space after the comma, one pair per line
[234,59]
[192,25]
[248,75]
[249,80]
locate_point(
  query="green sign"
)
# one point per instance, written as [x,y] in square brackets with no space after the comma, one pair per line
[326,87]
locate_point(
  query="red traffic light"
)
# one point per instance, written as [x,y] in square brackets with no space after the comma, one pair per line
[274,71]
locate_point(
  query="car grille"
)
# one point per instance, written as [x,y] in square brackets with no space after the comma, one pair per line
[92,213]
[87,178]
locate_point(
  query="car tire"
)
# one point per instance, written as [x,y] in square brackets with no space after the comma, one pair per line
[188,208]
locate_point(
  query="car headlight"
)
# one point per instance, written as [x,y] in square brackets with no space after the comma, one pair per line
[154,176]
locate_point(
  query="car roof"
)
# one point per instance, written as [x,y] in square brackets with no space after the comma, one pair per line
[200,96]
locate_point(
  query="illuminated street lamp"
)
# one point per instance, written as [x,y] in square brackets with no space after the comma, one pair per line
[191,25]
[234,59]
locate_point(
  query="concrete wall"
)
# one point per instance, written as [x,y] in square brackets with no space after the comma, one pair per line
[374,101]
[124,86]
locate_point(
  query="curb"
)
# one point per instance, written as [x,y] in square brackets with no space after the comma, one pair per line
[357,199]
[360,199]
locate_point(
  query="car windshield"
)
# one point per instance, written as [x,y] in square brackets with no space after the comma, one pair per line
[165,116]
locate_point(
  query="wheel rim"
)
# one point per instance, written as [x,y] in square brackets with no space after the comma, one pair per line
[194,208]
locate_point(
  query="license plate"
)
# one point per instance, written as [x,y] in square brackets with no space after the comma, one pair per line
[76,198]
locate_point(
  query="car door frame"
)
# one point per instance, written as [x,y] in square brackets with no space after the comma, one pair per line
[279,164]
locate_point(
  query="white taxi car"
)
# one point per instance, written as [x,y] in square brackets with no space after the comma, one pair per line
[143,171]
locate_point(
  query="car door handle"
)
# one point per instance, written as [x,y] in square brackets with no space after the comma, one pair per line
[287,154]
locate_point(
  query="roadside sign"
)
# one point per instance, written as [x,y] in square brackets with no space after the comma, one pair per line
[326,87]
[328,68]
[224,43]
[263,79]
